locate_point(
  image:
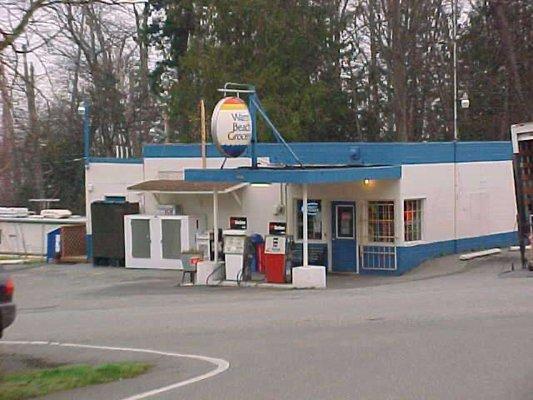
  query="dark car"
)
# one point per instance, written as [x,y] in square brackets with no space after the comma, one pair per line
[7,308]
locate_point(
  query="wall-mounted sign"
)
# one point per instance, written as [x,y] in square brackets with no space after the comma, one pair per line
[277,228]
[313,207]
[231,126]
[240,223]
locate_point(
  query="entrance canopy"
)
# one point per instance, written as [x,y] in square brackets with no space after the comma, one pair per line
[310,174]
[172,186]
[183,187]
[303,175]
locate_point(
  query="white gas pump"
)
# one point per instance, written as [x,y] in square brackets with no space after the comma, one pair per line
[234,252]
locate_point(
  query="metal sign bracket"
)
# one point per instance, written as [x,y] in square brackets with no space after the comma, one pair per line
[255,106]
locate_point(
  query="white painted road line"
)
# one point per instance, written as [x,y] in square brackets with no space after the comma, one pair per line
[221,365]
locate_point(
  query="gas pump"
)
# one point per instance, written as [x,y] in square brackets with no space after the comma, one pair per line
[276,250]
[236,254]
[204,244]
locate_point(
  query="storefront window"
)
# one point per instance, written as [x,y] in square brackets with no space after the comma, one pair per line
[381,221]
[314,219]
[412,220]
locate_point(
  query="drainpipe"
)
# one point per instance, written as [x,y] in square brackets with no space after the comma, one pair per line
[455,247]
[455,127]
[86,130]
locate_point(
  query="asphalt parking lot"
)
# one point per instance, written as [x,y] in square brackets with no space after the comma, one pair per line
[465,332]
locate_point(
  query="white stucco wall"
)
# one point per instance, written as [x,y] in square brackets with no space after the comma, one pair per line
[110,179]
[28,236]
[434,184]
[485,204]
[257,203]
[172,168]
[485,198]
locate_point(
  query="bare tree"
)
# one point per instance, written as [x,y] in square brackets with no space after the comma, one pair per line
[7,138]
[20,14]
[502,24]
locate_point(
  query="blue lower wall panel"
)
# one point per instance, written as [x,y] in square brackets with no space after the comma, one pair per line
[485,242]
[410,257]
[318,254]
[89,247]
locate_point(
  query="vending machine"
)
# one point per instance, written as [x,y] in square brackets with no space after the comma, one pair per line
[236,252]
[275,253]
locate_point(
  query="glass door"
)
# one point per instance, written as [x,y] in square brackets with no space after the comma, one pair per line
[343,238]
[140,238]
[171,238]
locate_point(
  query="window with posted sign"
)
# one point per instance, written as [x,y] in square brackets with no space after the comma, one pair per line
[314,219]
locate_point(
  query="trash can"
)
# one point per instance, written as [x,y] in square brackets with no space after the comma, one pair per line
[53,245]
[259,246]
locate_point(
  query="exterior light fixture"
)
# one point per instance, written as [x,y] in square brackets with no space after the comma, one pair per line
[260,185]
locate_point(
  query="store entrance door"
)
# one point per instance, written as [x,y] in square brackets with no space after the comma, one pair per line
[343,238]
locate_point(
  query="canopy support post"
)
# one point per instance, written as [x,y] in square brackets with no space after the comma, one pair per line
[305,232]
[215,224]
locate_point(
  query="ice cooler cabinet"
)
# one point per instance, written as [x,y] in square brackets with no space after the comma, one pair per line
[157,241]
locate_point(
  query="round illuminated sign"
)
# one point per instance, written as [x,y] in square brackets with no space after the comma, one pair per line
[231,126]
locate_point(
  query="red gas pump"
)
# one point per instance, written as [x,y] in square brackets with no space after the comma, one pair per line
[275,254]
[275,258]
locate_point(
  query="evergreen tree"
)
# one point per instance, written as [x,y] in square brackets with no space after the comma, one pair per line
[288,49]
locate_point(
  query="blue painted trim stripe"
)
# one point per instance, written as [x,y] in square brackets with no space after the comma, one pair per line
[112,160]
[353,152]
[409,257]
[315,175]
[484,151]
[89,246]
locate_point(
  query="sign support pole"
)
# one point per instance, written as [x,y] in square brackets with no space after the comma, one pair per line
[305,222]
[255,100]
[203,132]
[253,114]
[215,224]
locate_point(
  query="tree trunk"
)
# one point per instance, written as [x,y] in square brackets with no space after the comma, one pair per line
[7,144]
[34,136]
[510,52]
[399,70]
[374,128]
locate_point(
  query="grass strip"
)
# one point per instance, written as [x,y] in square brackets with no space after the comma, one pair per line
[26,385]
